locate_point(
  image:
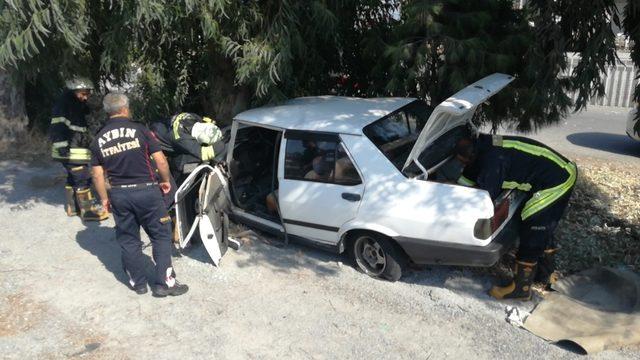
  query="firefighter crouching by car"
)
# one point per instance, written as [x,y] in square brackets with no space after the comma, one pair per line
[495,163]
[187,138]
[121,151]
[70,140]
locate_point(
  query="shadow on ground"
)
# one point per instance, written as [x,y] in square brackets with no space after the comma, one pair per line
[38,181]
[264,249]
[100,242]
[613,143]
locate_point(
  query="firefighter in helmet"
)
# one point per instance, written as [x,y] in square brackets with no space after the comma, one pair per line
[70,140]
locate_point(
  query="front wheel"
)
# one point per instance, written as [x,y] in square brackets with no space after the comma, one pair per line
[377,256]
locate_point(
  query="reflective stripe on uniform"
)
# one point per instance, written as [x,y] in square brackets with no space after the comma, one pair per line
[76,154]
[510,185]
[59,144]
[543,198]
[176,124]
[64,120]
[462,180]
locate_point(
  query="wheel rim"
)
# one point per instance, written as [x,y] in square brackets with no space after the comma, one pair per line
[370,256]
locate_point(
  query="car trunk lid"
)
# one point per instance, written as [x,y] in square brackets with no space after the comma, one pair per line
[455,111]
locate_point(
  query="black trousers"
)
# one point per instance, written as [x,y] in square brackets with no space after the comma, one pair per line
[78,175]
[133,208]
[536,232]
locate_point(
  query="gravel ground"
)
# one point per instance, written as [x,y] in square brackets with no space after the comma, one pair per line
[62,294]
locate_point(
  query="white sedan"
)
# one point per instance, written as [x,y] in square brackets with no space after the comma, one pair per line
[372,177]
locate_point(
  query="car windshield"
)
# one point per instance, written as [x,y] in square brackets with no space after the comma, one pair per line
[396,133]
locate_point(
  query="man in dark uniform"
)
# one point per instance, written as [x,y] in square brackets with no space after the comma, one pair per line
[121,152]
[495,163]
[70,140]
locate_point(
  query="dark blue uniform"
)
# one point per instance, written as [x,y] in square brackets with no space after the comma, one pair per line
[69,138]
[123,148]
[509,162]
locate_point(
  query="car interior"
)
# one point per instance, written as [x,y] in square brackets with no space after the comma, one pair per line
[253,169]
[439,159]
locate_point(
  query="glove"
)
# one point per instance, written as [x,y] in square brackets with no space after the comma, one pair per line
[206,153]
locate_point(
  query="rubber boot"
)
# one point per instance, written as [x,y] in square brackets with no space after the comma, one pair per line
[520,287]
[89,210]
[546,274]
[71,207]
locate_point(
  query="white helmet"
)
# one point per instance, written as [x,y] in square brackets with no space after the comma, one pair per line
[79,83]
[206,133]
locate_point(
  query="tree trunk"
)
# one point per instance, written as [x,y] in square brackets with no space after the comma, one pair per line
[13,118]
[225,99]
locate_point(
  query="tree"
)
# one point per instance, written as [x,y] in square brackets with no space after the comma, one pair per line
[32,29]
[218,57]
[444,45]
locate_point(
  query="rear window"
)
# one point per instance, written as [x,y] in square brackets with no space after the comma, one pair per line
[396,133]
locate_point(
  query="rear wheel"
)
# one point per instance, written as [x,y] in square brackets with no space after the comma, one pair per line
[377,256]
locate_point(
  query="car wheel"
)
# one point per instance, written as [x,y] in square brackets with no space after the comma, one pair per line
[377,256]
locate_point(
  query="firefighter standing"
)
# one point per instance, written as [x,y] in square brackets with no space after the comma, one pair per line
[122,150]
[495,163]
[70,139]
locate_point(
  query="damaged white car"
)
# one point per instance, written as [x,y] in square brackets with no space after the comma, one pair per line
[372,177]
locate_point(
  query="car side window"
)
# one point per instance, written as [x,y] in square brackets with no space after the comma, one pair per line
[321,160]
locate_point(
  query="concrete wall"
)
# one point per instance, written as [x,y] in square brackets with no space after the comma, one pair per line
[620,82]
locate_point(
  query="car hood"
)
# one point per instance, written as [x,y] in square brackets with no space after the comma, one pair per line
[455,111]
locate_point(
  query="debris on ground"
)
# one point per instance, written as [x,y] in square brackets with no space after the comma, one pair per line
[602,223]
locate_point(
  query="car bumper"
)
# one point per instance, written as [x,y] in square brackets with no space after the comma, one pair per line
[435,252]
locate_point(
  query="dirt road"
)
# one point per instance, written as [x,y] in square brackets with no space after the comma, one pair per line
[62,295]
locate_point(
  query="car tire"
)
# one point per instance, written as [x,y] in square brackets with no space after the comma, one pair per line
[377,256]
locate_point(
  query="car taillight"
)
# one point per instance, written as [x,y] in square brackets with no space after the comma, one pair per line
[485,227]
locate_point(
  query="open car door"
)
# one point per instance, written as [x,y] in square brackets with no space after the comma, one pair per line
[457,110]
[202,203]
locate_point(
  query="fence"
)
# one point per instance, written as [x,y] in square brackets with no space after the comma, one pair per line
[620,82]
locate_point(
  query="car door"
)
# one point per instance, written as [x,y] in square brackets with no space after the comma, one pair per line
[320,186]
[205,212]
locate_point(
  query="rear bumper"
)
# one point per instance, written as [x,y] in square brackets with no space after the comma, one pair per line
[435,252]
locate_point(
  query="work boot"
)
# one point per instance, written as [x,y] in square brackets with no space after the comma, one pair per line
[71,207]
[89,209]
[546,274]
[140,290]
[162,290]
[520,287]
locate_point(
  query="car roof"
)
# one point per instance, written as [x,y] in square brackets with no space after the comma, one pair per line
[337,114]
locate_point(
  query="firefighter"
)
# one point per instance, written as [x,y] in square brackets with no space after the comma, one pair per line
[122,150]
[495,163]
[187,138]
[70,138]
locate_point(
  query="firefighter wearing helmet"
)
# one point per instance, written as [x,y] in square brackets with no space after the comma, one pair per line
[70,141]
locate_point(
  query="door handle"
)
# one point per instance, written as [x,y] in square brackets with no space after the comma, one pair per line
[351,196]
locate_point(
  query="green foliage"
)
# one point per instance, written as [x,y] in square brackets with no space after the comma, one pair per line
[444,45]
[218,56]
